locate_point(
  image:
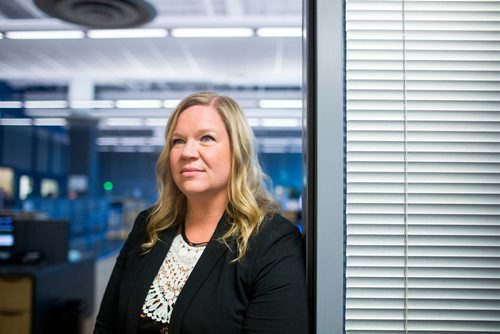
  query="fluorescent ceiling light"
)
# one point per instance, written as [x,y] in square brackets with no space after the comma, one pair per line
[138,104]
[48,34]
[128,33]
[117,113]
[1,35]
[124,149]
[48,113]
[280,122]
[50,122]
[156,141]
[279,32]
[133,141]
[279,149]
[247,103]
[91,104]
[108,141]
[124,122]
[16,121]
[11,104]
[283,141]
[145,149]
[128,141]
[280,104]
[170,103]
[253,122]
[273,113]
[46,104]
[156,122]
[212,32]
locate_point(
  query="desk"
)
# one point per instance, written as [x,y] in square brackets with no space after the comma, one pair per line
[31,297]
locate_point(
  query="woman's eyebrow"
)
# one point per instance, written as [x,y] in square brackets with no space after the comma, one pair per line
[205,130]
[198,132]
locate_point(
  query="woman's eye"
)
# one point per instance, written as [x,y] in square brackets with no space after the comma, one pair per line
[207,138]
[176,141]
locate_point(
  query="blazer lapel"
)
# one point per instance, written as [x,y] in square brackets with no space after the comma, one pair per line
[211,255]
[151,264]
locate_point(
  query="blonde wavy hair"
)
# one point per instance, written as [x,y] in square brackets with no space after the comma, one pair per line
[249,202]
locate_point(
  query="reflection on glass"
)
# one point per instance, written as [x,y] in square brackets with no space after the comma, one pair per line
[49,188]
[6,182]
[25,186]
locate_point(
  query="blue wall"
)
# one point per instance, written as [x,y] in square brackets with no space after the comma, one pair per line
[132,174]
[285,169]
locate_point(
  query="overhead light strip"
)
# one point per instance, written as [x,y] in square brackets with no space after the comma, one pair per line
[130,141]
[283,141]
[124,122]
[161,122]
[48,113]
[56,104]
[253,122]
[34,121]
[127,33]
[125,149]
[170,103]
[136,141]
[280,32]
[108,141]
[155,122]
[138,104]
[154,33]
[16,121]
[292,104]
[50,122]
[145,149]
[156,141]
[144,104]
[212,32]
[280,122]
[273,112]
[47,34]
[11,104]
[119,113]
[92,104]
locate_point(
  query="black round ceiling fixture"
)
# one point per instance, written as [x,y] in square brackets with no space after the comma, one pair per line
[102,14]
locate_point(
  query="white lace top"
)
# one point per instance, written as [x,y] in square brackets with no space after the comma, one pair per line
[168,283]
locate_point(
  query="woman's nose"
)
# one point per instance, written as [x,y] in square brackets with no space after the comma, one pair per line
[190,150]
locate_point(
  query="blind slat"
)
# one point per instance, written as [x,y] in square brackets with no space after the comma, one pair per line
[368,45]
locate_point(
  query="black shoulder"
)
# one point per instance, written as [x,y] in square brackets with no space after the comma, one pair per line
[140,224]
[276,225]
[276,231]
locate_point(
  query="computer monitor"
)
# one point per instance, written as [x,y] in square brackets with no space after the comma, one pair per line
[48,237]
[6,233]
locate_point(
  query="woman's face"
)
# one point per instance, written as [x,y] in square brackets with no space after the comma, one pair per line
[200,154]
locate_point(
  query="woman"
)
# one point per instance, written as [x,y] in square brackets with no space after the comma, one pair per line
[212,255]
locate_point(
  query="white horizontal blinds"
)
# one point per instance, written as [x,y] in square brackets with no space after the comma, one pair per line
[375,250]
[453,112]
[447,191]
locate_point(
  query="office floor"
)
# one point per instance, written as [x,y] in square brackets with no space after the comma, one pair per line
[103,269]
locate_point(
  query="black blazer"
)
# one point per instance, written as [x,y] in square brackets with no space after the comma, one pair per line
[263,293]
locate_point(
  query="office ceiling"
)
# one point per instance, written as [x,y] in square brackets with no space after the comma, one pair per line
[252,60]
[249,68]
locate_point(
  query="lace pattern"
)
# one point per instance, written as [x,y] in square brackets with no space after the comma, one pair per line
[168,283]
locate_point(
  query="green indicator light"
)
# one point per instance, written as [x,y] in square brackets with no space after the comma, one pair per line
[108,185]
